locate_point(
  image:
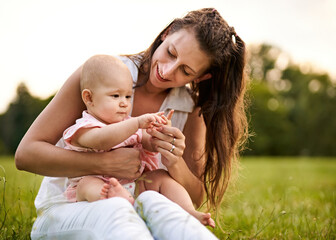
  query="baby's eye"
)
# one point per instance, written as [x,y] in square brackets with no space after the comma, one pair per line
[115,95]
[129,96]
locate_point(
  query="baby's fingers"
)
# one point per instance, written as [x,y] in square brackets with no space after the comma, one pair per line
[160,118]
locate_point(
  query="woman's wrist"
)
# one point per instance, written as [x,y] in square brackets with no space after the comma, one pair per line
[120,163]
[179,171]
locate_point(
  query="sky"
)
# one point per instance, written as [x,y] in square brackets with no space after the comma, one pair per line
[42,42]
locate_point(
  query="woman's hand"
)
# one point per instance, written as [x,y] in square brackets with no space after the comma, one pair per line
[169,141]
[122,163]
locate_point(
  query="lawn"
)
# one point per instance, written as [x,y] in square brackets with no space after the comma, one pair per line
[17,193]
[273,198]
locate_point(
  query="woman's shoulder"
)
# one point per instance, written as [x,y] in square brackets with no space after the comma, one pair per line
[132,66]
[179,99]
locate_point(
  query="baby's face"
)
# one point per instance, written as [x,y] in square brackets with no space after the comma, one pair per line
[112,97]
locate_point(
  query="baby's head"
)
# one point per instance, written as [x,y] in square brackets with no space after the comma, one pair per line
[106,86]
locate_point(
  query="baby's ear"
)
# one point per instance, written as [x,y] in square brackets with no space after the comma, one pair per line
[87,96]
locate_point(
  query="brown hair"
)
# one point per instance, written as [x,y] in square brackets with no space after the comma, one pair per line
[220,98]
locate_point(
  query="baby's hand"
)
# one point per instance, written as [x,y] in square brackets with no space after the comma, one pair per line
[151,119]
[166,120]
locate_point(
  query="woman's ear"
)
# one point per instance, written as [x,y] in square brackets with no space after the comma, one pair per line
[203,77]
[87,96]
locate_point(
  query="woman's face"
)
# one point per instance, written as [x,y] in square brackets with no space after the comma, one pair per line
[178,61]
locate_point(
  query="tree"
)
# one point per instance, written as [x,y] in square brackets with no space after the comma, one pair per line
[292,108]
[18,118]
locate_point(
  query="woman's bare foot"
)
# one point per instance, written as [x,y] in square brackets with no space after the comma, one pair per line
[115,189]
[204,218]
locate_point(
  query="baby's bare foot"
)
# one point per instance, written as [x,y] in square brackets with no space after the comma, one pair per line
[104,191]
[115,189]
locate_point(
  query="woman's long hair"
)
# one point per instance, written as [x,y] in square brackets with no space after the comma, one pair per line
[221,98]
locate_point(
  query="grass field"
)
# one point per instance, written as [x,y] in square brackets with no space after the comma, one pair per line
[273,198]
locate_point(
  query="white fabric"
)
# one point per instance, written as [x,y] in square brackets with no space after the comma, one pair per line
[115,218]
[91,221]
[51,189]
[167,220]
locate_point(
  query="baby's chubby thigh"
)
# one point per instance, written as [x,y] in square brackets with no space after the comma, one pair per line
[152,180]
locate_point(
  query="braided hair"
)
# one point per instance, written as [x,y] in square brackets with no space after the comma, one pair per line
[220,98]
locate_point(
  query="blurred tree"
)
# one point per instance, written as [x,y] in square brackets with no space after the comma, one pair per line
[292,108]
[272,131]
[19,116]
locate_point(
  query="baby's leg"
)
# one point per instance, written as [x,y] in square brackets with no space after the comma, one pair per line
[89,188]
[160,181]
[93,189]
[115,189]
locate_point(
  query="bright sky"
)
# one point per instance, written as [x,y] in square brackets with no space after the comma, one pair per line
[42,41]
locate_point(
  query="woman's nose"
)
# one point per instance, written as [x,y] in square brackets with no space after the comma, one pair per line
[169,69]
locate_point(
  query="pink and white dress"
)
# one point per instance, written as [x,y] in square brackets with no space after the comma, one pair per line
[149,160]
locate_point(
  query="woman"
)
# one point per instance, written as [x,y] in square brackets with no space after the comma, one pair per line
[208,126]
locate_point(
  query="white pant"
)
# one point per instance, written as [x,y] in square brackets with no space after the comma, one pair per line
[115,218]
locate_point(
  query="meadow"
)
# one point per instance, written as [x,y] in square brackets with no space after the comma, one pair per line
[272,198]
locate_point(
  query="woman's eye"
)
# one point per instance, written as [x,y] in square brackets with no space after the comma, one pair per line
[185,72]
[169,53]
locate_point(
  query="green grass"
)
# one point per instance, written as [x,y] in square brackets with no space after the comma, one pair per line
[282,198]
[273,198]
[17,193]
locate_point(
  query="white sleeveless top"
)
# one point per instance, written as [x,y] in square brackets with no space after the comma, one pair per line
[179,99]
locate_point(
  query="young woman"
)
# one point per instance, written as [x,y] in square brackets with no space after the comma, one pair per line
[196,67]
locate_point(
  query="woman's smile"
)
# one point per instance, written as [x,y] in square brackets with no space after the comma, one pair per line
[159,75]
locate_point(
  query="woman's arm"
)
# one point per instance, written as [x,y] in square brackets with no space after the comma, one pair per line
[187,168]
[36,152]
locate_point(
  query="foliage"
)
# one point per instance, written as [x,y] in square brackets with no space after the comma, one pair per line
[292,107]
[18,118]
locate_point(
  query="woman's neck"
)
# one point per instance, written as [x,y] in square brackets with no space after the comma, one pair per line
[148,87]
[151,90]
[148,100]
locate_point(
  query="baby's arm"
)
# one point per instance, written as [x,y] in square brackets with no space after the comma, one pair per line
[104,138]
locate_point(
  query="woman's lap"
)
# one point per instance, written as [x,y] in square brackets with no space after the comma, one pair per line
[167,220]
[115,218]
[112,218]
